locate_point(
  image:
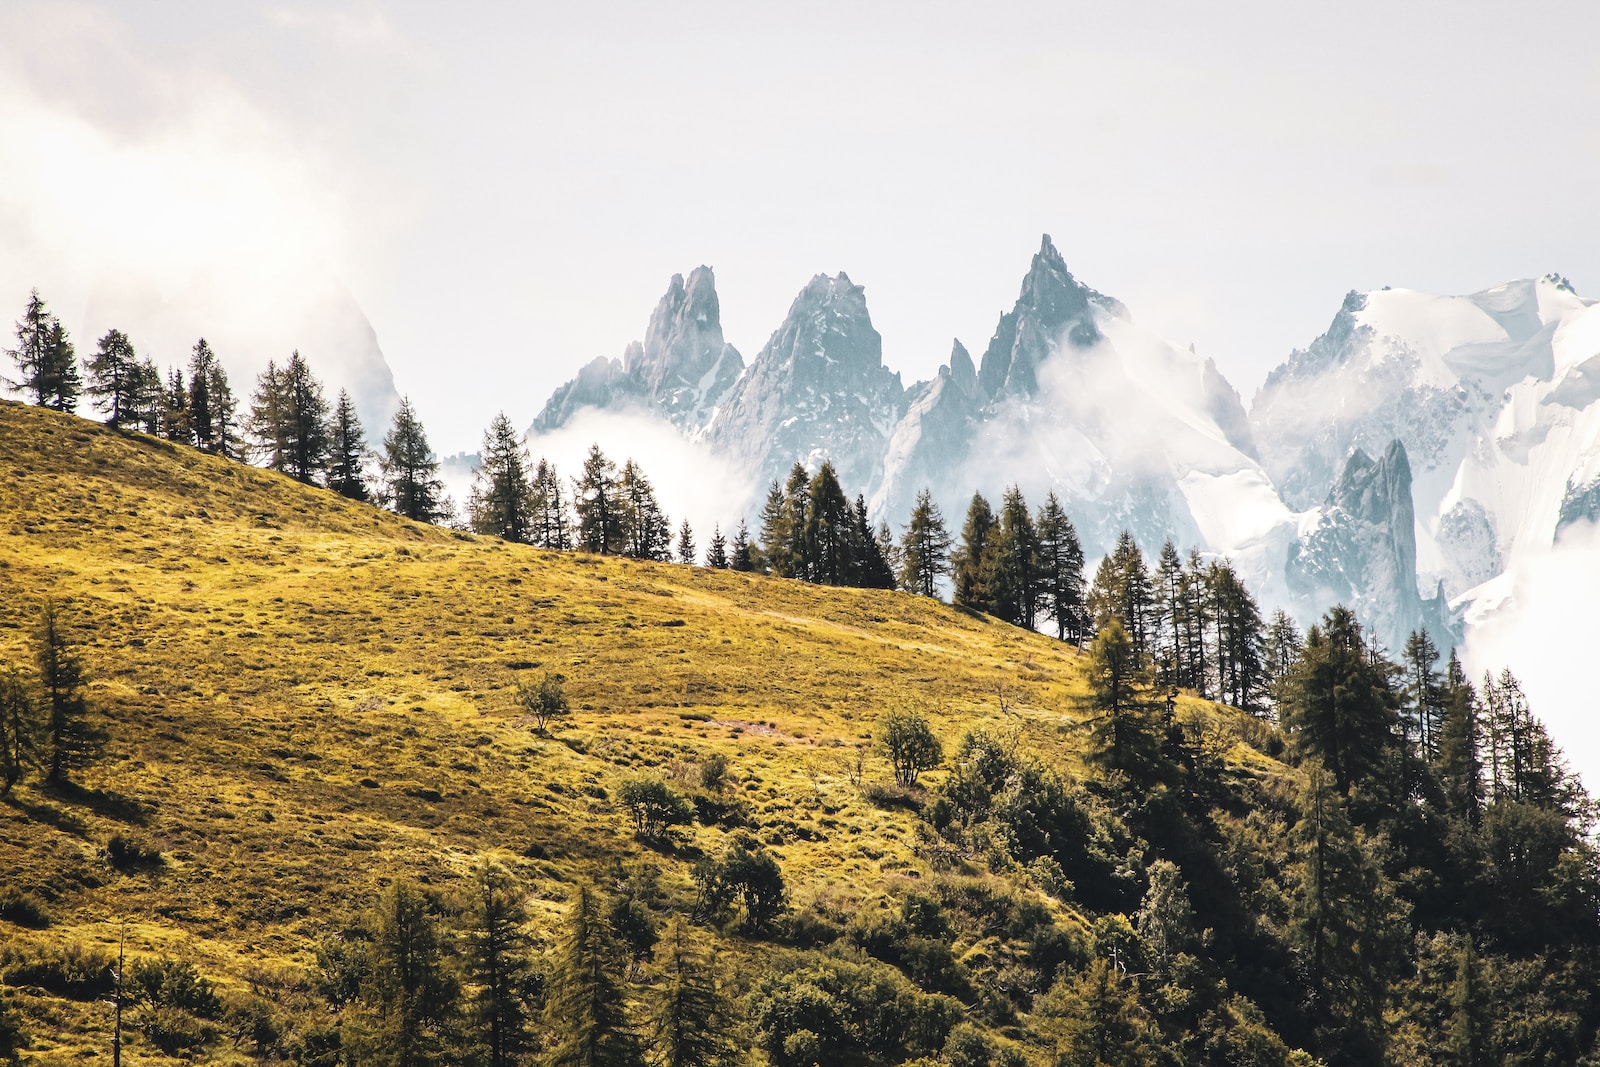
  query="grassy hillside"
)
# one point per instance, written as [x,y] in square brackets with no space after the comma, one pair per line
[307,698]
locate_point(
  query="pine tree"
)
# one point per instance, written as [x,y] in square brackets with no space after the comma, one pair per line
[1169,624]
[1283,646]
[1423,708]
[1194,592]
[115,381]
[717,552]
[552,522]
[221,408]
[1341,707]
[19,729]
[967,564]
[1011,568]
[1240,639]
[72,740]
[1166,918]
[410,987]
[829,530]
[502,501]
[289,420]
[598,502]
[1101,1022]
[1459,765]
[410,473]
[1125,740]
[797,517]
[873,569]
[924,548]
[1471,1038]
[775,539]
[347,452]
[743,556]
[152,396]
[586,1007]
[690,1017]
[646,531]
[1122,590]
[45,359]
[686,546]
[177,419]
[203,369]
[500,967]
[1061,571]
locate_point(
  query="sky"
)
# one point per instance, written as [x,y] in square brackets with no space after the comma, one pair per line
[505,189]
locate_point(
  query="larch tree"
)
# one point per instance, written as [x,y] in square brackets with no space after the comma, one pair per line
[967,564]
[1125,739]
[1459,764]
[500,967]
[797,516]
[829,531]
[1122,590]
[1424,695]
[177,415]
[152,396]
[115,382]
[289,420]
[552,519]
[502,501]
[1061,571]
[774,535]
[598,502]
[742,556]
[203,370]
[1011,563]
[1341,708]
[690,1020]
[19,728]
[586,1006]
[646,531]
[409,469]
[924,548]
[410,989]
[47,364]
[347,451]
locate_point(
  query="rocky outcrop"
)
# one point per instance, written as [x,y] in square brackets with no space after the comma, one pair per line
[817,391]
[935,436]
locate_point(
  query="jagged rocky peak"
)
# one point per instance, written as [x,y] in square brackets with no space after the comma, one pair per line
[817,390]
[1054,308]
[682,369]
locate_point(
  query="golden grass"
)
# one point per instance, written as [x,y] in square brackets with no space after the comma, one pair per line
[286,675]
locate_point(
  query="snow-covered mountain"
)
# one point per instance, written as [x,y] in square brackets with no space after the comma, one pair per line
[1494,396]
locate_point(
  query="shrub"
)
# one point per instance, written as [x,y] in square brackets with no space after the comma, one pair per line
[175,984]
[70,971]
[745,874]
[654,806]
[127,853]
[24,909]
[175,1032]
[908,741]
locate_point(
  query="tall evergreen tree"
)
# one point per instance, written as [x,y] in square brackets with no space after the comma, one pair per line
[1101,1022]
[1195,594]
[1168,646]
[717,551]
[1061,571]
[690,1016]
[502,501]
[152,394]
[924,548]
[347,451]
[829,539]
[1471,1036]
[19,729]
[775,548]
[1125,738]
[1424,696]
[586,1007]
[177,417]
[47,363]
[203,369]
[1122,590]
[1011,565]
[1341,709]
[687,553]
[552,522]
[742,558]
[873,569]
[967,562]
[289,420]
[410,988]
[797,518]
[410,472]
[646,531]
[1459,765]
[500,967]
[73,741]
[221,407]
[115,381]
[599,505]
[1240,640]
[1283,647]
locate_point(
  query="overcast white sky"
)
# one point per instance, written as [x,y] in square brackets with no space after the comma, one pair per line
[506,188]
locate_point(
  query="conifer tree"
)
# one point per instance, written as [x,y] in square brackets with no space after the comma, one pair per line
[646,531]
[502,501]
[152,393]
[690,1017]
[1011,566]
[347,451]
[1101,1022]
[1240,639]
[1471,1037]
[686,547]
[586,1007]
[797,517]
[115,381]
[500,967]
[19,729]
[1341,708]
[1424,698]
[289,420]
[1124,737]
[1122,590]
[598,502]
[775,535]
[1459,766]
[967,562]
[410,472]
[829,539]
[1061,571]
[203,368]
[1194,591]
[1169,622]
[742,557]
[409,988]
[924,548]
[72,739]
[177,419]
[221,408]
[873,569]
[551,518]
[717,551]
[47,364]
[1283,646]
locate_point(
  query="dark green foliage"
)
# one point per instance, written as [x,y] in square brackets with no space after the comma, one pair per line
[586,1007]
[1100,1021]
[177,414]
[502,502]
[686,547]
[23,909]
[597,499]
[717,550]
[47,364]
[71,740]
[689,1024]
[13,1038]
[20,728]
[1341,704]
[166,982]
[654,806]
[408,992]
[552,522]
[829,529]
[69,970]
[849,1014]
[915,938]
[1010,563]
[966,564]
[289,420]
[1061,572]
[910,745]
[742,557]
[924,548]
[410,472]
[744,875]
[127,853]
[115,380]
[499,965]
[1125,738]
[1122,591]
[347,452]
[645,530]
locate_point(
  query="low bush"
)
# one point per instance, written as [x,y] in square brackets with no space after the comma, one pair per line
[127,853]
[24,909]
[71,970]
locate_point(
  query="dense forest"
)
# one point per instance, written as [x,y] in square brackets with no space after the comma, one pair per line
[1371,859]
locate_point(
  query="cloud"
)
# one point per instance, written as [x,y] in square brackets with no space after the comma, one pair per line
[1534,620]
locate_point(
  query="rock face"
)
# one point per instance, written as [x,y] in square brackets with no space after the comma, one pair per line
[1359,549]
[681,371]
[817,391]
